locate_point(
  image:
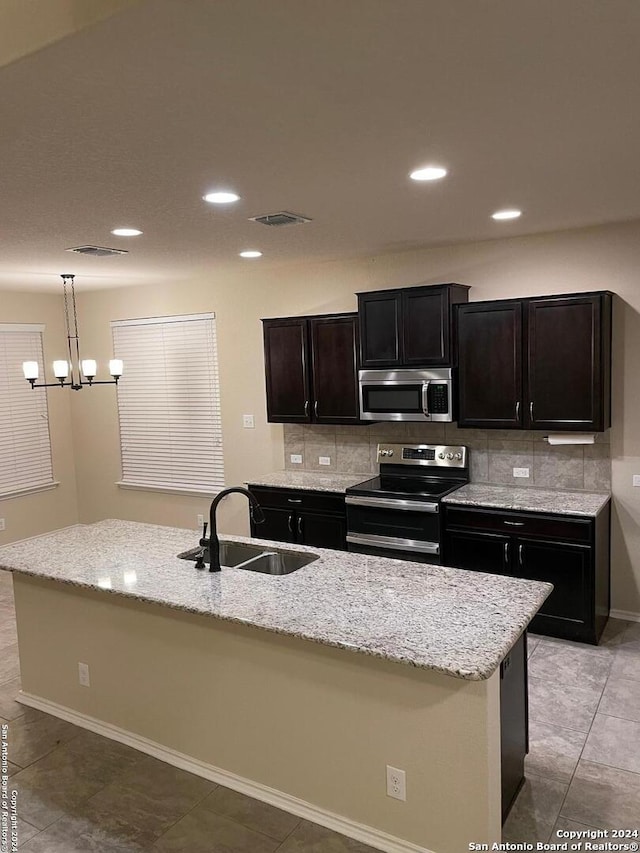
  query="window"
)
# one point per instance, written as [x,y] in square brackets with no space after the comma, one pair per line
[25,445]
[169,404]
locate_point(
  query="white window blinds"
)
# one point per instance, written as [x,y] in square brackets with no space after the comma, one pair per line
[169,403]
[25,446]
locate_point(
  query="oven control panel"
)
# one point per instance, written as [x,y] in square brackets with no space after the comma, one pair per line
[434,455]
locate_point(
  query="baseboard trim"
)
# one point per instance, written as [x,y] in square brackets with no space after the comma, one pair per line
[360,832]
[627,615]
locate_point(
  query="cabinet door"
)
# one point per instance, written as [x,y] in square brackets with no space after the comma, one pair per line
[279,525]
[565,369]
[322,531]
[427,324]
[286,370]
[334,365]
[490,365]
[481,552]
[566,613]
[379,318]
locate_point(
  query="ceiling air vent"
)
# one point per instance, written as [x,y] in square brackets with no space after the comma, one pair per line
[281,218]
[96,251]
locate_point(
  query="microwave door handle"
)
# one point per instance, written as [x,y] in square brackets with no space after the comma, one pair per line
[425,397]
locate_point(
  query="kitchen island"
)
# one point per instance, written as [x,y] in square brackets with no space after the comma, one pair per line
[296,689]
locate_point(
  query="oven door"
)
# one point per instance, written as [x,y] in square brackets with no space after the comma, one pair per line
[403,529]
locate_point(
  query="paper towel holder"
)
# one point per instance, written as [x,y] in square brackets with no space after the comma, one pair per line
[569,438]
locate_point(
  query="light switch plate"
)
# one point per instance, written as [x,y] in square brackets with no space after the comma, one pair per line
[2,523]
[520,472]
[324,460]
[636,483]
[296,458]
[248,422]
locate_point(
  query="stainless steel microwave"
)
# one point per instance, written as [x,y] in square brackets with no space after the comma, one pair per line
[406,395]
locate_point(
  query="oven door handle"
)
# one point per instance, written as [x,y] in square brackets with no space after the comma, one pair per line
[425,397]
[390,543]
[391,503]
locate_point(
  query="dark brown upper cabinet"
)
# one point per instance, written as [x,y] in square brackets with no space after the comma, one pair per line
[311,369]
[490,364]
[409,327]
[542,363]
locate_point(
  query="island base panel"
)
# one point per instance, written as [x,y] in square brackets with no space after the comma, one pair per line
[317,723]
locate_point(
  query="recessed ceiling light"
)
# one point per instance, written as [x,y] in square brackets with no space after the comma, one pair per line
[221,197]
[251,253]
[512,213]
[428,173]
[126,232]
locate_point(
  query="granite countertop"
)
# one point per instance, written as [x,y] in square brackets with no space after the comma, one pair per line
[530,500]
[456,622]
[316,481]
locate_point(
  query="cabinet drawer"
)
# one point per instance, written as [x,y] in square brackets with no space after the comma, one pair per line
[299,500]
[548,526]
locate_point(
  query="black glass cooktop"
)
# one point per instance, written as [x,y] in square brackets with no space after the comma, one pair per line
[411,488]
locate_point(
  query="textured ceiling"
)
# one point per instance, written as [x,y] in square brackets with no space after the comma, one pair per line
[321,107]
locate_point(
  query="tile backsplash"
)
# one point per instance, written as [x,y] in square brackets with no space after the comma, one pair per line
[493,453]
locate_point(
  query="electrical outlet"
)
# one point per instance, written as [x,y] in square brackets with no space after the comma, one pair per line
[296,458]
[248,422]
[396,783]
[83,674]
[2,522]
[200,520]
[324,460]
[520,472]
[636,483]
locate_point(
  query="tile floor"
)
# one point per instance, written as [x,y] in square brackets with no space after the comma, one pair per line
[79,792]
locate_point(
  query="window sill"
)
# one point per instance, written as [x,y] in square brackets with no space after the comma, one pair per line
[31,490]
[170,490]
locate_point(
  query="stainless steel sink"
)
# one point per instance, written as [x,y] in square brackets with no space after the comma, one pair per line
[255,559]
[278,562]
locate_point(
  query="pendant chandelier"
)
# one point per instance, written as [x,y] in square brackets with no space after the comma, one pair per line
[70,373]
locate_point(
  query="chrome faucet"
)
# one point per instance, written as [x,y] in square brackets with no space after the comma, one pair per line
[212,543]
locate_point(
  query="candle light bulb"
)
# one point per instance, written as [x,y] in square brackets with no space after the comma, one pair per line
[89,367]
[30,369]
[115,367]
[60,369]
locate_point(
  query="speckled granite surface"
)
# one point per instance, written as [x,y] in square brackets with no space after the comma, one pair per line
[456,622]
[531,500]
[311,480]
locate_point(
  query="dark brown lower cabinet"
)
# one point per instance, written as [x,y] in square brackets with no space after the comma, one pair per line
[570,552]
[318,519]
[514,722]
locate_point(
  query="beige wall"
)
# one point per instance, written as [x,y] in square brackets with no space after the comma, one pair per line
[29,25]
[316,723]
[589,259]
[30,515]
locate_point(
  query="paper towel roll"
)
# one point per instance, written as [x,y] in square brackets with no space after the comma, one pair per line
[571,438]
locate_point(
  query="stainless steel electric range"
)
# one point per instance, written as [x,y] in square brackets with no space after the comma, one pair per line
[397,513]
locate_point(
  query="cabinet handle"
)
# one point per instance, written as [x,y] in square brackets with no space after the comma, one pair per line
[294,500]
[520,563]
[518,410]
[290,522]
[515,523]
[531,412]
[315,408]
[306,408]
[506,554]
[299,525]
